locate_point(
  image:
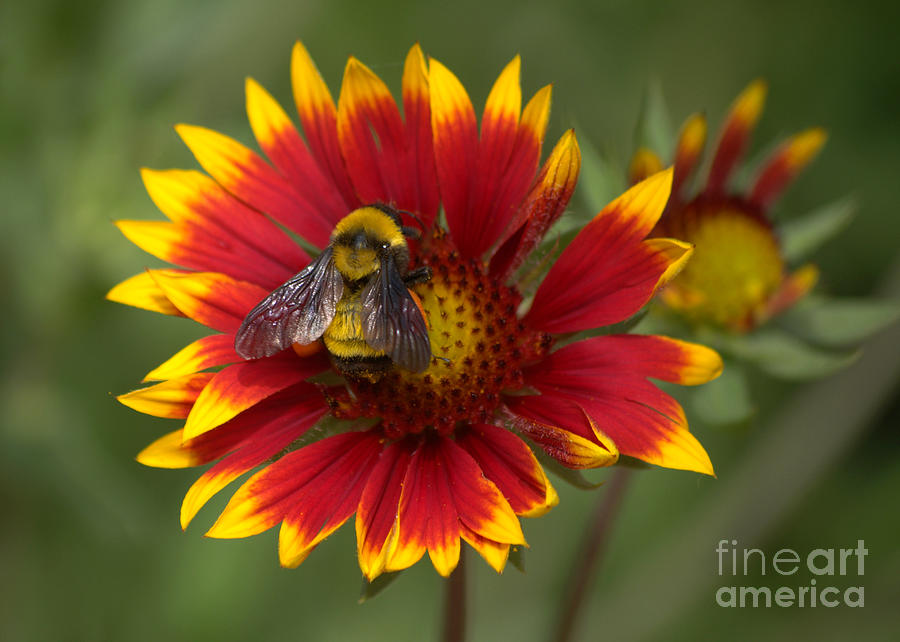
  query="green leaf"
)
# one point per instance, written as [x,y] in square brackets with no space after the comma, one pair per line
[654,127]
[802,236]
[839,322]
[780,354]
[726,400]
[601,180]
[376,586]
[517,557]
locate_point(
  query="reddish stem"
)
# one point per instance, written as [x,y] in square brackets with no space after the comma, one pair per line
[590,556]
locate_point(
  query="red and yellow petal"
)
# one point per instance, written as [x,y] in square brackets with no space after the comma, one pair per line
[242,385]
[143,291]
[420,142]
[480,505]
[518,178]
[542,207]
[657,357]
[213,299]
[208,352]
[372,138]
[246,175]
[287,409]
[691,142]
[171,399]
[563,430]
[215,232]
[494,553]
[741,120]
[611,387]
[609,272]
[376,516]
[318,116]
[783,166]
[794,287]
[312,490]
[256,435]
[443,489]
[643,421]
[489,209]
[284,146]
[455,134]
[426,517]
[508,462]
[644,164]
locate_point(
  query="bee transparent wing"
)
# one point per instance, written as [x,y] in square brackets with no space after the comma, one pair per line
[392,322]
[297,312]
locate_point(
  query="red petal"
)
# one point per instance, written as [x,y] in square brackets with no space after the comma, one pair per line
[242,385]
[607,273]
[691,141]
[544,205]
[319,118]
[417,112]
[376,516]
[741,120]
[208,352]
[213,231]
[281,142]
[328,499]
[318,481]
[427,517]
[642,420]
[215,300]
[243,173]
[563,430]
[256,435]
[508,462]
[784,165]
[617,355]
[456,153]
[372,138]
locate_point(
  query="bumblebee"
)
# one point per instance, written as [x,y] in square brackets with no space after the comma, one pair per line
[355,296]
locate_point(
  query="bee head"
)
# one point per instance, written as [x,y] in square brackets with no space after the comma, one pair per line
[364,238]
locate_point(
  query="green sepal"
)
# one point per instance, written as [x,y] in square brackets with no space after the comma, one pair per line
[838,322]
[601,180]
[780,354]
[654,126]
[800,237]
[726,400]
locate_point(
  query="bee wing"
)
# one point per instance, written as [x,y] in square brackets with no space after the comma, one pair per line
[391,320]
[297,312]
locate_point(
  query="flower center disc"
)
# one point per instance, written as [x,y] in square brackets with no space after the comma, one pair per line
[735,268]
[478,346]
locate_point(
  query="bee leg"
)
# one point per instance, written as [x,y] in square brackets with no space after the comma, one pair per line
[419,275]
[413,233]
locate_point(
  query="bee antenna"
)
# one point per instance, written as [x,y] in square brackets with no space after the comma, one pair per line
[413,216]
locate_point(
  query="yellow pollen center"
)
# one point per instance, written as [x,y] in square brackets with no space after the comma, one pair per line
[736,266]
[478,346]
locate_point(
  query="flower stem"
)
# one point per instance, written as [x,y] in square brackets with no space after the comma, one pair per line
[455,603]
[589,557]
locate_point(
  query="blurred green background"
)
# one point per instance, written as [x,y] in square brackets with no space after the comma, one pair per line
[90,547]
